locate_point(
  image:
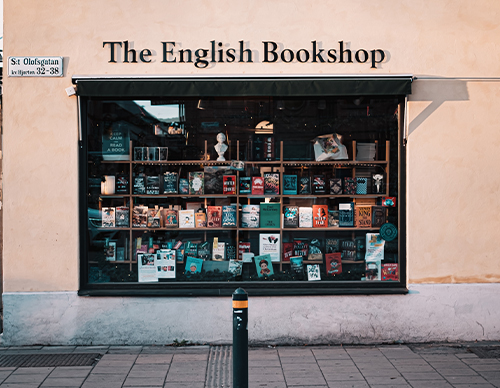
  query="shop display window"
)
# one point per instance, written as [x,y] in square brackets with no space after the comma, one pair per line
[278,194]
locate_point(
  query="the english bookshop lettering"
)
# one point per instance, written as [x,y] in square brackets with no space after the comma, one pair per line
[219,52]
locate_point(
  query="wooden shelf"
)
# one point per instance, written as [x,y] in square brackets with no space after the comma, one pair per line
[135,229]
[329,229]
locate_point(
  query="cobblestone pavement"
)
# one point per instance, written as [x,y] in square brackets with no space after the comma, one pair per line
[388,366]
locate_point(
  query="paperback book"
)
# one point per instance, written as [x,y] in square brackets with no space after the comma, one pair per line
[257,185]
[390,272]
[271,183]
[301,248]
[229,216]
[361,185]
[183,186]
[320,216]
[230,252]
[200,219]
[346,214]
[305,217]
[250,216]
[219,251]
[204,251]
[313,272]
[304,185]
[193,265]
[122,184]
[290,184]
[186,218]
[110,251]
[122,217]
[264,265]
[269,244]
[287,251]
[291,217]
[214,216]
[140,217]
[315,250]
[297,266]
[349,185]
[319,184]
[378,216]
[245,185]
[170,218]
[373,270]
[191,249]
[270,215]
[196,183]
[336,186]
[333,218]
[333,263]
[139,184]
[170,183]
[332,245]
[229,184]
[153,185]
[363,216]
[154,217]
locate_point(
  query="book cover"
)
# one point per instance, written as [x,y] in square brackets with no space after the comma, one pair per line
[230,252]
[108,217]
[290,184]
[250,216]
[120,254]
[170,183]
[229,216]
[297,265]
[271,183]
[257,185]
[122,184]
[214,216]
[122,217]
[332,245]
[349,185]
[183,186]
[389,201]
[313,272]
[320,216]
[170,218]
[146,267]
[264,265]
[243,247]
[304,185]
[235,267]
[390,272]
[186,218]
[248,257]
[110,251]
[378,216]
[193,265]
[333,263]
[373,270]
[269,244]
[213,178]
[153,185]
[219,251]
[315,250]
[363,216]
[378,186]
[245,185]
[204,251]
[196,183]
[200,219]
[319,184]
[361,185]
[269,148]
[191,249]
[348,249]
[139,184]
[287,251]
[154,217]
[270,214]
[301,248]
[140,217]
[291,217]
[346,214]
[336,186]
[305,217]
[165,264]
[153,154]
[333,218]
[229,184]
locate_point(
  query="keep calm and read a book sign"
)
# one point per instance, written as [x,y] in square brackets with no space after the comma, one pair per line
[35,66]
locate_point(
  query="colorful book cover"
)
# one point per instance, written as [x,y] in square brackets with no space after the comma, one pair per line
[214,216]
[319,184]
[170,218]
[390,272]
[165,264]
[213,178]
[287,251]
[110,251]
[191,249]
[389,201]
[170,183]
[346,214]
[333,263]
[153,185]
[290,184]
[301,248]
[363,216]
[304,185]
[361,185]
[229,215]
[378,186]
[378,216]
[297,265]
[245,185]
[271,183]
[196,183]
[186,218]
[349,185]
[219,251]
[183,186]
[193,265]
[250,216]
[264,265]
[315,251]
[320,216]
[139,184]
[332,245]
[122,217]
[204,251]
[291,217]
[373,270]
[257,185]
[305,217]
[333,218]
[243,247]
[200,219]
[313,272]
[269,244]
[140,217]
[108,217]
[229,184]
[146,267]
[235,267]
[154,217]
[270,215]
[336,186]
[122,186]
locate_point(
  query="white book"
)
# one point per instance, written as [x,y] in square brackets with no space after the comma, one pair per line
[269,244]
[186,218]
[108,217]
[219,251]
[305,217]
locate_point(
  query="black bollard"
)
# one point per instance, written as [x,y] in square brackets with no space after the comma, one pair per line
[240,338]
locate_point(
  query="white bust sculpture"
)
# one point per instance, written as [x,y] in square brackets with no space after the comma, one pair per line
[220,147]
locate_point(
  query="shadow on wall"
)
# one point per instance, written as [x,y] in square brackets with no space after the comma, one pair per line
[437,91]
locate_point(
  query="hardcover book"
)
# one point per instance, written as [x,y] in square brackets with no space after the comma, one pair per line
[378,216]
[297,265]
[170,183]
[304,185]
[349,185]
[110,251]
[319,184]
[257,185]
[301,248]
[315,250]
[264,265]
[346,214]
[271,183]
[333,218]
[229,184]
[186,218]
[154,217]
[243,247]
[230,252]
[235,267]
[153,185]
[140,217]
[122,184]
[229,216]
[361,185]
[363,216]
[287,251]
[250,216]
[378,186]
[305,217]
[320,216]
[204,251]
[269,244]
[191,249]
[122,217]
[336,186]
[139,184]
[214,216]
[196,183]
[291,217]
[373,270]
[183,186]
[193,265]
[313,272]
[270,214]
[219,251]
[333,263]
[390,272]
[245,185]
[170,218]
[332,245]
[290,184]
[200,219]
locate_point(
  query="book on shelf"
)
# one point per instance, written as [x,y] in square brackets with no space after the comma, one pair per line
[319,184]
[230,251]
[333,263]
[229,184]
[378,216]
[139,183]
[333,218]
[269,244]
[250,216]
[390,272]
[363,216]
[147,271]
[196,183]
[257,185]
[336,186]
[320,216]
[313,272]
[304,185]
[291,217]
[165,264]
[348,250]
[153,185]
[191,249]
[290,184]
[153,154]
[301,248]
[186,218]
[120,253]
[183,186]
[214,216]
[373,270]
[271,183]
[122,217]
[346,214]
[378,186]
[243,247]
[110,251]
[248,257]
[122,184]
[287,250]
[332,245]
[108,217]
[297,265]
[305,217]
[245,185]
[200,219]
[154,217]
[315,252]
[140,217]
[270,214]
[361,185]
[349,185]
[229,216]
[264,265]
[179,248]
[193,265]
[170,218]
[204,251]
[235,267]
[170,185]
[219,251]
[214,177]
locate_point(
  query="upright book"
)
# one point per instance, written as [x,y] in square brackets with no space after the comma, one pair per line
[378,216]
[186,218]
[153,185]
[333,263]
[320,216]
[170,218]
[269,244]
[243,247]
[219,251]
[245,185]
[305,217]
[140,217]
[200,219]
[214,216]
[196,183]
[350,185]
[346,214]
[264,265]
[290,184]
[304,185]
[229,215]
[270,215]
[122,217]
[291,216]
[363,216]
[183,186]
[336,186]
[271,183]
[319,184]
[313,272]
[250,216]
[229,184]
[170,183]
[257,185]
[154,217]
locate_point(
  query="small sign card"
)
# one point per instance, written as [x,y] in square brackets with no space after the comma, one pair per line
[35,66]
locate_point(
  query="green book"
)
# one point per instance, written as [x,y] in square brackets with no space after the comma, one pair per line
[270,215]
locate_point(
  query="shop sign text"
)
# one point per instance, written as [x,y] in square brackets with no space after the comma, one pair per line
[35,66]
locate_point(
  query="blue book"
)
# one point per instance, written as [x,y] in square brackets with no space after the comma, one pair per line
[290,184]
[245,185]
[264,265]
[229,215]
[346,214]
[193,265]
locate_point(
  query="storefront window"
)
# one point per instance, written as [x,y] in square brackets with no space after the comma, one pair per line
[281,194]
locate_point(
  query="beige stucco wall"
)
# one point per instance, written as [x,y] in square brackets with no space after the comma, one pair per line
[453,177]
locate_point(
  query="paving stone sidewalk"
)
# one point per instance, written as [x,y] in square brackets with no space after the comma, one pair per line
[388,366]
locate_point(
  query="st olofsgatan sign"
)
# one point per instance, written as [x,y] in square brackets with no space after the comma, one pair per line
[35,66]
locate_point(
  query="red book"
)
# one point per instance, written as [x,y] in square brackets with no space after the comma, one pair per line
[229,184]
[287,251]
[333,263]
[214,216]
[320,216]
[257,185]
[390,272]
[243,247]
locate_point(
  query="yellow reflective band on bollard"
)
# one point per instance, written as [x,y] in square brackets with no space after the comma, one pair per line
[240,304]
